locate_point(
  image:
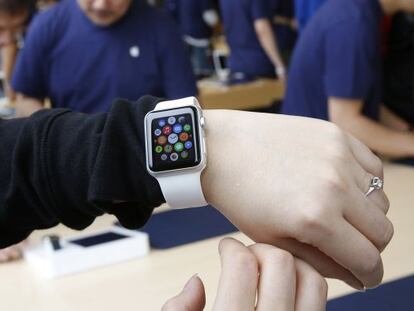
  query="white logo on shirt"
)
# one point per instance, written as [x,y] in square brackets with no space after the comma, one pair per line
[134,51]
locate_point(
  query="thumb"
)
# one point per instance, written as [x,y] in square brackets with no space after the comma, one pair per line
[191,298]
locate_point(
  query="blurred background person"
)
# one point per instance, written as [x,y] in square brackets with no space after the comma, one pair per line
[82,54]
[15,15]
[254,50]
[336,74]
[197,20]
[305,9]
[399,67]
[284,26]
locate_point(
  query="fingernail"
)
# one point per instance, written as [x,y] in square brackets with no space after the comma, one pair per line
[357,285]
[191,280]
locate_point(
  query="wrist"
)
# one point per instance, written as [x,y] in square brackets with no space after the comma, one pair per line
[216,121]
[223,177]
[280,71]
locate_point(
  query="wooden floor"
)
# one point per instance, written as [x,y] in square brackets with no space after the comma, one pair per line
[146,283]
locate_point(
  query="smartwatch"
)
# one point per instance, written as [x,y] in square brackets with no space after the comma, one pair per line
[176,150]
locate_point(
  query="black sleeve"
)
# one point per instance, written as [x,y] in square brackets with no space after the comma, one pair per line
[64,167]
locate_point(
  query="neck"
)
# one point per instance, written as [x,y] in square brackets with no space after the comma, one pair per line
[389,6]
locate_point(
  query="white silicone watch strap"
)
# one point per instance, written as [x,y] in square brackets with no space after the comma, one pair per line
[182,190]
[171,104]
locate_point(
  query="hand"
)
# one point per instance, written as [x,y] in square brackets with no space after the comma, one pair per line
[11,253]
[281,73]
[280,281]
[299,184]
[10,94]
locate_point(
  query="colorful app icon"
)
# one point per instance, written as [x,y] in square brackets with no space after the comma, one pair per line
[178,128]
[162,140]
[167,130]
[188,145]
[161,122]
[173,138]
[178,147]
[181,120]
[187,127]
[168,148]
[158,149]
[164,157]
[157,132]
[184,154]
[183,136]
[174,157]
[171,120]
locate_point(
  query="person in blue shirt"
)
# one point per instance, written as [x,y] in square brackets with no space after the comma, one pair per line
[304,10]
[82,54]
[336,74]
[196,20]
[254,51]
[399,67]
[284,26]
[15,15]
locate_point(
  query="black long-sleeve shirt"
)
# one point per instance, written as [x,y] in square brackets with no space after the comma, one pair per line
[64,167]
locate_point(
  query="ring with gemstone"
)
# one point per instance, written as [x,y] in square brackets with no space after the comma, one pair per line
[376,184]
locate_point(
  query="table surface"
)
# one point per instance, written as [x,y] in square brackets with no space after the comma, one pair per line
[144,284]
[258,94]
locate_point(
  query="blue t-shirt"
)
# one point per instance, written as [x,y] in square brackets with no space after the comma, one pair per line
[285,35]
[305,9]
[189,15]
[171,7]
[338,55]
[246,54]
[84,67]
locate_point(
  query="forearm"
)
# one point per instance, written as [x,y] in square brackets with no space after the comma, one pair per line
[386,141]
[268,42]
[26,106]
[8,56]
[391,120]
[65,167]
[285,21]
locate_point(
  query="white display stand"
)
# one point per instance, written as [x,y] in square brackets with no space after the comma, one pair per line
[87,251]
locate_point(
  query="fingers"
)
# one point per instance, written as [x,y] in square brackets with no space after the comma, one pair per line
[321,262]
[367,213]
[239,277]
[311,288]
[380,199]
[9,254]
[370,220]
[363,180]
[285,283]
[368,161]
[277,283]
[192,297]
[378,196]
[351,249]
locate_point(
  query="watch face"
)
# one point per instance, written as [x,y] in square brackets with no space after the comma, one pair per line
[174,139]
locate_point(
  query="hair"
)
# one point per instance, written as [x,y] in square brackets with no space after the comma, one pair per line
[13,7]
